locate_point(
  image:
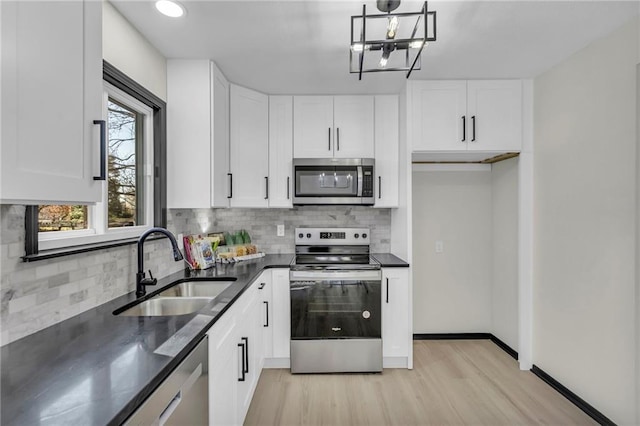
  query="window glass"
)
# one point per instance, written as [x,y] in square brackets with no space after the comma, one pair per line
[125,181]
[62,218]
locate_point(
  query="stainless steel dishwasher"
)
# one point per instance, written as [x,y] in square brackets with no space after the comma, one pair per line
[183,398]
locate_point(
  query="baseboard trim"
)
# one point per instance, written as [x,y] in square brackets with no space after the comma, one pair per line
[502,345]
[468,336]
[451,336]
[572,397]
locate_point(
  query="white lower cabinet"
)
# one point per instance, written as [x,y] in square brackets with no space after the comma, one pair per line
[234,360]
[281,319]
[396,331]
[239,344]
[224,370]
[250,347]
[265,315]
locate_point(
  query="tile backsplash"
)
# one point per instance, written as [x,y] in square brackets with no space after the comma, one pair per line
[36,295]
[261,223]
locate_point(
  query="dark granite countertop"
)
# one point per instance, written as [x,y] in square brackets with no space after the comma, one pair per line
[97,368]
[388,260]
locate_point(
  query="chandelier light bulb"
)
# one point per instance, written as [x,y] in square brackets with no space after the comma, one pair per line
[392,28]
[383,62]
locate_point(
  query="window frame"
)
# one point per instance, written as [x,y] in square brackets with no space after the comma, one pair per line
[120,81]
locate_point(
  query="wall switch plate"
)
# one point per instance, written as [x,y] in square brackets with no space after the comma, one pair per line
[439,247]
[280,231]
[180,241]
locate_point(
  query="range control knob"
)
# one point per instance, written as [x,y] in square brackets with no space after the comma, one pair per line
[357,236]
[300,235]
[308,235]
[364,235]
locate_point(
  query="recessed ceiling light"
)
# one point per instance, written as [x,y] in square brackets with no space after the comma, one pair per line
[170,8]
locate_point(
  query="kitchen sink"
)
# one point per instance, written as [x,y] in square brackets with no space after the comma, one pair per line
[161,306]
[208,289]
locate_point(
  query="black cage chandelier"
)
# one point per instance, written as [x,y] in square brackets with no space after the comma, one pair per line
[380,35]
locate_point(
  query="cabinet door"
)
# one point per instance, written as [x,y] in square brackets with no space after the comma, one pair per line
[224,371]
[494,111]
[439,116]
[281,313]
[247,320]
[51,94]
[396,337]
[220,190]
[265,314]
[386,151]
[189,150]
[313,126]
[353,126]
[249,148]
[280,151]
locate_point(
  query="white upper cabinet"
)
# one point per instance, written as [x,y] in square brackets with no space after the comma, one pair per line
[220,171]
[313,126]
[386,151]
[249,148]
[439,108]
[51,95]
[280,151]
[460,115]
[495,110]
[333,126]
[197,135]
[353,126]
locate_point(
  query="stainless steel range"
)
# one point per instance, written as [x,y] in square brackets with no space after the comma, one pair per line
[335,302]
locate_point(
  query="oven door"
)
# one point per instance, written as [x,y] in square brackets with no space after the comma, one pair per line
[335,304]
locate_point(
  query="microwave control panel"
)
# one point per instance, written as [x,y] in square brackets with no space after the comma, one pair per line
[367,182]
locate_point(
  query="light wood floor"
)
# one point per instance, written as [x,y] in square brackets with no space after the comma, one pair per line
[454,382]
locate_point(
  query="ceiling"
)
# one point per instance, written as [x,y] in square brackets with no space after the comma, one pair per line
[302,47]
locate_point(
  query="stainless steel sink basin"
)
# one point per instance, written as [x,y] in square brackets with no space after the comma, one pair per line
[208,289]
[162,306]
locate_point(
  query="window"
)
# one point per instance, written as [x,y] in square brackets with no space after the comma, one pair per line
[133,196]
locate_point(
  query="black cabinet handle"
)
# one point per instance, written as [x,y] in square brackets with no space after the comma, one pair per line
[246,345]
[473,128]
[464,128]
[103,150]
[266,185]
[287,187]
[262,286]
[387,290]
[266,305]
[379,187]
[230,185]
[329,138]
[338,138]
[242,377]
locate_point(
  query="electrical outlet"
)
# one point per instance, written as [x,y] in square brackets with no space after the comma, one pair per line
[439,247]
[180,241]
[280,231]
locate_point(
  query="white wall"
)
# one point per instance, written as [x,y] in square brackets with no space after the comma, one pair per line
[585,216]
[504,279]
[452,289]
[126,49]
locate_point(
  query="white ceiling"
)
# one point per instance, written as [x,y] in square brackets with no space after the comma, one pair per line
[302,47]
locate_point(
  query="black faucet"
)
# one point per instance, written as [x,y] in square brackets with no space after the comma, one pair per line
[141,280]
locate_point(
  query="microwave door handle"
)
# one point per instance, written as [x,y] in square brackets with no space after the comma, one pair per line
[359,194]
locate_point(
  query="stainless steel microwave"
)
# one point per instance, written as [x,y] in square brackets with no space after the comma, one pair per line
[333,181]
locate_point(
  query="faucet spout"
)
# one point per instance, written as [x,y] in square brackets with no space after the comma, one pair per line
[141,280]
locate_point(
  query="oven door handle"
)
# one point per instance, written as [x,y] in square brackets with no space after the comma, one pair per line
[360,180]
[368,275]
